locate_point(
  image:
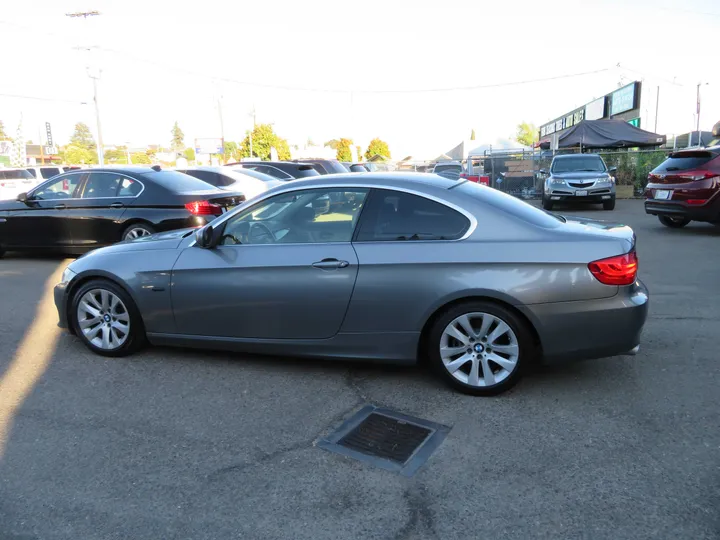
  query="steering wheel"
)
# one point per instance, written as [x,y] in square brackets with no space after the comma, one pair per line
[260,234]
[230,237]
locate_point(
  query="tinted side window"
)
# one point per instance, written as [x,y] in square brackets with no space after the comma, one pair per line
[32,172]
[49,172]
[101,184]
[62,188]
[396,215]
[273,171]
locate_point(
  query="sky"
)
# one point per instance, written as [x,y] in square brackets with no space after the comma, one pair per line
[419,74]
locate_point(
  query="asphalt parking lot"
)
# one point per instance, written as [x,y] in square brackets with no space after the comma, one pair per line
[182,444]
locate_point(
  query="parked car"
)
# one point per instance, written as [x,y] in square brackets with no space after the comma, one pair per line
[14,180]
[371,167]
[324,166]
[354,167]
[478,281]
[44,172]
[685,187]
[448,169]
[81,210]
[248,181]
[579,178]
[284,170]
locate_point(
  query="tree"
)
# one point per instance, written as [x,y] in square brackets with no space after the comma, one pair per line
[527,134]
[189,154]
[140,158]
[264,138]
[77,155]
[472,135]
[332,143]
[3,135]
[377,147]
[343,150]
[178,138]
[232,152]
[82,137]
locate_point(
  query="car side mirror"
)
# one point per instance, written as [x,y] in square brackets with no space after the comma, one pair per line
[612,169]
[204,237]
[22,197]
[543,171]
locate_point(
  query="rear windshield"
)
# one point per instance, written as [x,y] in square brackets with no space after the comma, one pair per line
[509,204]
[439,168]
[304,171]
[49,172]
[684,161]
[15,174]
[177,182]
[257,175]
[578,164]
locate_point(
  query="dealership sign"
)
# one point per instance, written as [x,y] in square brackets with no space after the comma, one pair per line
[623,100]
[595,109]
[209,146]
[565,122]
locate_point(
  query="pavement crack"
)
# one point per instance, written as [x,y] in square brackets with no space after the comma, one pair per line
[263,458]
[421,519]
[351,382]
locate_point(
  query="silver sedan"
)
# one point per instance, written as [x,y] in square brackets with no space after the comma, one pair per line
[377,266]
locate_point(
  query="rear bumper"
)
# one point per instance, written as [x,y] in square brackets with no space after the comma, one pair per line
[594,328]
[710,211]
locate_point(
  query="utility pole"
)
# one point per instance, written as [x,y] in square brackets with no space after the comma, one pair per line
[101,156]
[657,107]
[251,132]
[698,113]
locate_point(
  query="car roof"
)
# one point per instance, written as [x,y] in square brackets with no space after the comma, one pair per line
[211,168]
[567,156]
[379,179]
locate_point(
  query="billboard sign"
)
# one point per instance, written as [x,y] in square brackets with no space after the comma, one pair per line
[209,146]
[623,100]
[48,132]
[595,109]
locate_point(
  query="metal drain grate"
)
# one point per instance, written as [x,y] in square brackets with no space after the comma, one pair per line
[387,439]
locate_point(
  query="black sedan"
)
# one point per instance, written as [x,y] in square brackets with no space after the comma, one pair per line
[81,210]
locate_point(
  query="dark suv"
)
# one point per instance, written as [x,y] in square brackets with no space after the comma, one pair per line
[685,187]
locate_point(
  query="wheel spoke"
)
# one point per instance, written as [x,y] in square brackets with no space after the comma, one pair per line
[105,337]
[93,332]
[124,317]
[500,329]
[115,336]
[467,328]
[89,309]
[511,349]
[104,300]
[488,375]
[453,331]
[87,323]
[114,300]
[449,352]
[453,366]
[117,325]
[90,297]
[505,363]
[487,320]
[474,377]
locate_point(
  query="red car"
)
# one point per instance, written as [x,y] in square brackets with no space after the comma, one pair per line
[685,187]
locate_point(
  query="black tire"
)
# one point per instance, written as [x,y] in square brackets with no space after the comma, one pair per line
[141,229]
[523,334]
[135,337]
[546,203]
[673,223]
[609,205]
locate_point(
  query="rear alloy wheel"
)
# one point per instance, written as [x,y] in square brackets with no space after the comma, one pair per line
[137,231]
[609,205]
[479,347]
[673,222]
[106,319]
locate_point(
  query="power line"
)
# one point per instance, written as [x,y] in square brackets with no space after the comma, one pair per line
[20,96]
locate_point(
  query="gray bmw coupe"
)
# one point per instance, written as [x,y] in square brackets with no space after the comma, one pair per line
[382,266]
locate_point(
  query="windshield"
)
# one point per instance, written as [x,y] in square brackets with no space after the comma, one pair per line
[257,175]
[578,164]
[15,174]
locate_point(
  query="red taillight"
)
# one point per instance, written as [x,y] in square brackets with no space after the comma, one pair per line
[620,270]
[696,202]
[204,208]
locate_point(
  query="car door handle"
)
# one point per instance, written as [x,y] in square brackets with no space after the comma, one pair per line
[59,207]
[117,205]
[329,264]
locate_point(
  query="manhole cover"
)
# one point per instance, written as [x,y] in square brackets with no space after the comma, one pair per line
[387,439]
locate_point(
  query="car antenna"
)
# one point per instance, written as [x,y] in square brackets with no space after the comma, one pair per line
[156,168]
